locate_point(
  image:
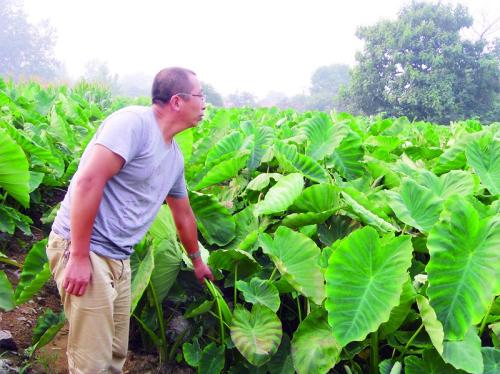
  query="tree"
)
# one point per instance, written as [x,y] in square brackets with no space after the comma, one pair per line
[420,67]
[211,95]
[27,50]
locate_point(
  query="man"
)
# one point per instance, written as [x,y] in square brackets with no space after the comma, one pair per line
[128,169]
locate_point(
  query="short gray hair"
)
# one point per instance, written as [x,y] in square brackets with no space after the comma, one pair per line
[169,82]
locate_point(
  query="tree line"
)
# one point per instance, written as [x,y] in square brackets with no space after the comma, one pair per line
[418,65]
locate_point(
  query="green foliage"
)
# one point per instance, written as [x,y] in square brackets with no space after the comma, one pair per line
[47,326]
[419,66]
[311,196]
[256,334]
[6,293]
[34,274]
[464,259]
[314,349]
[364,280]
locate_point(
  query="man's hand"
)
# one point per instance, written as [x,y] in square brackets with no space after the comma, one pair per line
[77,275]
[202,271]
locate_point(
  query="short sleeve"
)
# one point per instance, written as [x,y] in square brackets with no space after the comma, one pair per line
[122,134]
[179,189]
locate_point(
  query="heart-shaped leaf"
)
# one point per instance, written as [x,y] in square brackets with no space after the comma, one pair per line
[256,334]
[297,258]
[288,155]
[214,220]
[365,278]
[14,169]
[415,205]
[281,195]
[259,291]
[483,155]
[314,349]
[464,260]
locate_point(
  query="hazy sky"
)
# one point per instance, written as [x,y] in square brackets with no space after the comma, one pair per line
[254,45]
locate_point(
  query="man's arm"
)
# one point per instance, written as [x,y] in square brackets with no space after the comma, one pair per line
[188,234]
[101,165]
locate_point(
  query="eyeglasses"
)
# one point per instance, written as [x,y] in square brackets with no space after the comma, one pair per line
[201,96]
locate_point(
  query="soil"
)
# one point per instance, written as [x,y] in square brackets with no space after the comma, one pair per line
[21,321]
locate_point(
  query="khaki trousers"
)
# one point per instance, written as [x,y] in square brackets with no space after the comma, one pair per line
[99,319]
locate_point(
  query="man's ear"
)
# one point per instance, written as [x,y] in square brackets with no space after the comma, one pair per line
[175,102]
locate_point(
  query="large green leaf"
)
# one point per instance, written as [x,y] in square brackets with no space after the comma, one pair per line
[227,144]
[143,268]
[288,155]
[212,359]
[185,142]
[281,195]
[453,158]
[483,155]
[415,205]
[465,354]
[323,136]
[61,129]
[246,222]
[229,259]
[304,219]
[314,349]
[54,162]
[400,312]
[6,293]
[14,169]
[220,172]
[347,157]
[34,274]
[365,214]
[256,334]
[464,261]
[47,326]
[281,362]
[11,218]
[318,198]
[433,327]
[430,363]
[259,291]
[365,278]
[491,360]
[261,181]
[167,252]
[167,263]
[214,220]
[297,258]
[455,182]
[263,137]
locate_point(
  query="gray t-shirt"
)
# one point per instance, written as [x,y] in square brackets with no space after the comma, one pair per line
[131,198]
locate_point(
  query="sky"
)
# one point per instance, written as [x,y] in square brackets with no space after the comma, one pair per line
[258,46]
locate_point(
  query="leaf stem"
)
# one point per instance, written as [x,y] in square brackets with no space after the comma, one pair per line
[299,309]
[159,315]
[11,262]
[374,353]
[272,274]
[411,341]
[235,280]
[483,323]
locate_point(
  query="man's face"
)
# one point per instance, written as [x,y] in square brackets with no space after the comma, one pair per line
[194,103]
